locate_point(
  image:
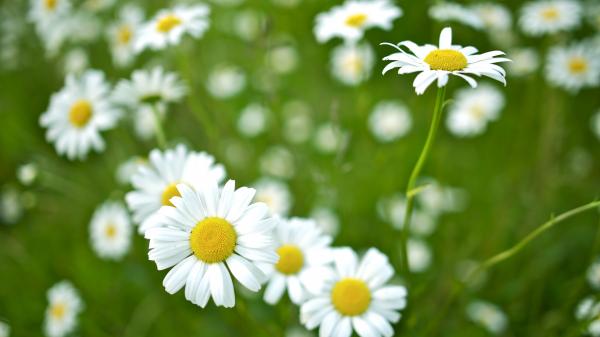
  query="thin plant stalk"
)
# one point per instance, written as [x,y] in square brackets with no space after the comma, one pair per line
[158,129]
[411,191]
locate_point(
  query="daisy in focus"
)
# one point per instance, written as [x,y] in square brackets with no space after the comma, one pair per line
[77,114]
[352,64]
[64,305]
[350,20]
[472,110]
[549,16]
[155,184]
[303,257]
[437,63]
[169,26]
[121,34]
[211,234]
[110,231]
[356,298]
[575,67]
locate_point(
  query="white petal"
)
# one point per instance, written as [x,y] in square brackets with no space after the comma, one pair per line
[446,38]
[245,272]
[274,289]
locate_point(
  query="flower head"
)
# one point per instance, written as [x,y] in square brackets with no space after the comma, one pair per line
[64,305]
[110,231]
[549,16]
[121,34]
[575,67]
[473,109]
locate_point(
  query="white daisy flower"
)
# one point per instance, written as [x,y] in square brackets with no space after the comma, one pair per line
[110,231]
[350,20]
[392,210]
[549,16]
[593,275]
[4,329]
[304,255]
[275,194]
[448,11]
[11,205]
[525,61]
[351,64]
[169,26]
[487,315]
[155,86]
[596,124]
[76,61]
[77,114]
[208,236]
[575,67]
[329,138]
[156,184]
[283,59]
[356,298]
[127,169]
[587,309]
[121,33]
[389,121]
[44,12]
[437,199]
[253,120]
[419,255]
[472,110]
[27,173]
[495,17]
[64,305]
[438,62]
[249,24]
[226,81]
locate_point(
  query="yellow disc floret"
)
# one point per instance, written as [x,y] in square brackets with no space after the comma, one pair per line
[80,113]
[446,59]
[124,34]
[351,296]
[291,259]
[550,14]
[356,20]
[213,240]
[169,192]
[578,65]
[58,310]
[167,22]
[110,231]
[50,4]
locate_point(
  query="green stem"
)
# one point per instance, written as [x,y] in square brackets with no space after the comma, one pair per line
[410,188]
[158,129]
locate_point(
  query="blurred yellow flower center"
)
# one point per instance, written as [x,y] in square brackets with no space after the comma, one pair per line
[356,20]
[80,113]
[58,310]
[213,240]
[124,34]
[291,259]
[110,231]
[167,22]
[578,65]
[351,296]
[50,4]
[477,111]
[354,64]
[168,193]
[446,59]
[550,14]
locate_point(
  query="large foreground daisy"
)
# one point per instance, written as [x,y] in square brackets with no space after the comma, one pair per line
[64,305]
[356,297]
[78,113]
[438,62]
[156,183]
[208,236]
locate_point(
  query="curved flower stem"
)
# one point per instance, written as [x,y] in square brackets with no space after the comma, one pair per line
[411,191]
[158,129]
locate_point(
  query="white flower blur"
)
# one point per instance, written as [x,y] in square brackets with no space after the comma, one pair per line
[64,305]
[525,61]
[389,121]
[352,64]
[110,231]
[121,33]
[487,315]
[253,120]
[225,81]
[472,110]
[574,67]
[542,17]
[275,194]
[448,11]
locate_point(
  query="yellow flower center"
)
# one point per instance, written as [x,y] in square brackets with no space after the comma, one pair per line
[110,231]
[168,193]
[124,34]
[446,59]
[354,64]
[291,259]
[80,113]
[351,296]
[167,22]
[356,20]
[58,310]
[550,14]
[213,240]
[578,65]
[477,111]
[50,4]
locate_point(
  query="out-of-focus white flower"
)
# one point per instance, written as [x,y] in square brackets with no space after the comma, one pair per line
[13,30]
[436,198]
[495,17]
[326,219]
[249,24]
[392,210]
[389,121]
[76,61]
[4,329]
[129,168]
[27,173]
[487,315]
[297,123]
[587,308]
[169,25]
[121,33]
[110,231]
[253,120]
[524,61]
[64,304]
[277,161]
[283,59]
[419,255]
[275,194]
[472,110]
[351,19]
[297,331]
[593,275]
[596,124]
[575,67]
[352,64]
[11,207]
[328,138]
[448,11]
[226,81]
[542,17]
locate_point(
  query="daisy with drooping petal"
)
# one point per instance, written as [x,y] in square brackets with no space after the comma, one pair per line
[470,113]
[352,64]
[78,113]
[350,20]
[210,235]
[575,67]
[156,183]
[389,121]
[356,298]
[169,26]
[121,34]
[64,305]
[549,16]
[110,231]
[303,257]
[448,11]
[438,62]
